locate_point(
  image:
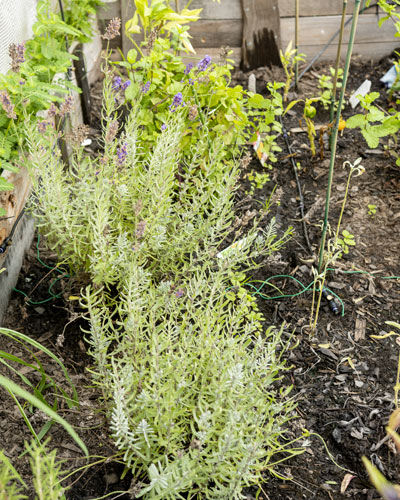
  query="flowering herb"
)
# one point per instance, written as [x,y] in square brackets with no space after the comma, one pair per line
[66,106]
[179,293]
[176,102]
[111,132]
[163,127]
[7,105]
[146,88]
[188,68]
[204,63]
[17,54]
[112,30]
[116,83]
[125,85]
[122,153]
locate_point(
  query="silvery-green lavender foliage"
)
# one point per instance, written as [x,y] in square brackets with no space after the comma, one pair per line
[45,476]
[187,371]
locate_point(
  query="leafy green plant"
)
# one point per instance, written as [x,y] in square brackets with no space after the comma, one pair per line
[325,84]
[46,475]
[388,490]
[374,123]
[309,112]
[80,15]
[289,58]
[347,240]
[37,396]
[372,210]
[335,247]
[157,73]
[189,375]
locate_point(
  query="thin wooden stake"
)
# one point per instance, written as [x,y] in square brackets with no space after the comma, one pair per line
[339,50]
[296,36]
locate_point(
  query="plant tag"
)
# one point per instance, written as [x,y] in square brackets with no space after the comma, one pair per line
[363,89]
[258,147]
[232,249]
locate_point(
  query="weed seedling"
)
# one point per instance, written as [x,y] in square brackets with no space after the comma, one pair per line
[289,58]
[372,210]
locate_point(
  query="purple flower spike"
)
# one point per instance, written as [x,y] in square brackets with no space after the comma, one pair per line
[180,293]
[116,83]
[125,85]
[163,127]
[122,153]
[188,68]
[204,63]
[176,102]
[191,81]
[146,88]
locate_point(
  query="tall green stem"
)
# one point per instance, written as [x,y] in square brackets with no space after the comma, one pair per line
[296,67]
[339,50]
[336,129]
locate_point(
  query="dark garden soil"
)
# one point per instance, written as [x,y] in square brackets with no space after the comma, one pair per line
[342,378]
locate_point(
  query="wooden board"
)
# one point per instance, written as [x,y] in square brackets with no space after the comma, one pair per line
[261,33]
[318,33]
[13,201]
[317,8]
[368,51]
[217,33]
[226,9]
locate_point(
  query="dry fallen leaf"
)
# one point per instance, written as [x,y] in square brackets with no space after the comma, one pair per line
[345,483]
[359,332]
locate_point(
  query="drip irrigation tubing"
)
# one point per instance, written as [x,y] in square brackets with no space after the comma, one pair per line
[8,241]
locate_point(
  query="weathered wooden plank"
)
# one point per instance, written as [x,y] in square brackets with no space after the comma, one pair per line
[13,201]
[261,33]
[368,51]
[216,33]
[226,9]
[314,8]
[109,10]
[215,55]
[318,33]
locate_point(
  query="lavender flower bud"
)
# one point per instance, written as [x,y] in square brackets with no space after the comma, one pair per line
[188,68]
[146,88]
[7,105]
[111,131]
[17,54]
[116,83]
[176,102]
[66,106]
[125,85]
[204,63]
[112,29]
[122,153]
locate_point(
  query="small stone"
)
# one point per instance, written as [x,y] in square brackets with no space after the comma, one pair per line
[40,310]
[111,478]
[358,383]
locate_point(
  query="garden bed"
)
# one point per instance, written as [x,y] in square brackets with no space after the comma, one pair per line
[343,380]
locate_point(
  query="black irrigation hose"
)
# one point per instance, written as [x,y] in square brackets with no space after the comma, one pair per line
[285,133]
[8,241]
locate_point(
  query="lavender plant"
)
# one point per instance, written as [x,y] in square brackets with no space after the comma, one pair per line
[187,371]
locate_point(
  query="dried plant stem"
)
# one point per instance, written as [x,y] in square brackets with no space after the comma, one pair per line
[296,67]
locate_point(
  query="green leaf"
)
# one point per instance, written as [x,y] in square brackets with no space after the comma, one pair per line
[13,388]
[131,56]
[355,121]
[5,165]
[3,212]
[5,185]
[371,138]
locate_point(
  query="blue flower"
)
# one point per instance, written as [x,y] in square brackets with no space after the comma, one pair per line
[125,85]
[146,88]
[191,81]
[204,63]
[116,83]
[188,68]
[163,127]
[176,102]
[122,153]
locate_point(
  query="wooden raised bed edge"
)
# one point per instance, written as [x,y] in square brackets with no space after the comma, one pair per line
[14,201]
